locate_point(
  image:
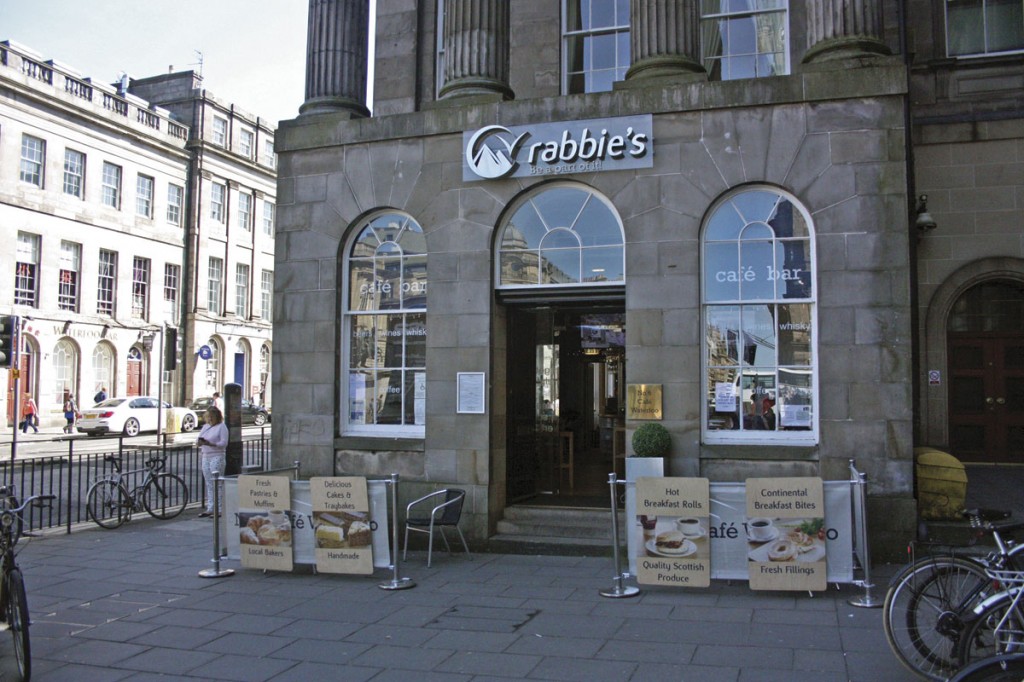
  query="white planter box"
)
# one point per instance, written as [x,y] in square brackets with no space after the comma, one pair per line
[637,467]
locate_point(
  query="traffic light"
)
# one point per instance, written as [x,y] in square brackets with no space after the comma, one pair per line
[8,340]
[171,349]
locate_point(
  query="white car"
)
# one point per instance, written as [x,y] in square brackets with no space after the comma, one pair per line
[130,416]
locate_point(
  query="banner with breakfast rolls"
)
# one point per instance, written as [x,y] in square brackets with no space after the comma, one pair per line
[341,527]
[786,534]
[674,548]
[265,529]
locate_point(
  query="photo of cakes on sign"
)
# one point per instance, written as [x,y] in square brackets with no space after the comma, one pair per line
[264,522]
[785,533]
[342,528]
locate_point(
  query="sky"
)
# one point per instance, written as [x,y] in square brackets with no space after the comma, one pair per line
[253,51]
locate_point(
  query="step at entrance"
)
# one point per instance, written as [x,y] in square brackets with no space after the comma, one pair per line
[525,524]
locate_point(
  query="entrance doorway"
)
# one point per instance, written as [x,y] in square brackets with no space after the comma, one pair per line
[986,374]
[566,379]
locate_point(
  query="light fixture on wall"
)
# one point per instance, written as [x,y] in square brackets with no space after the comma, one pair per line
[924,222]
[104,331]
[67,326]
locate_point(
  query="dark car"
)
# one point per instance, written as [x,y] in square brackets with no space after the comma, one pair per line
[251,412]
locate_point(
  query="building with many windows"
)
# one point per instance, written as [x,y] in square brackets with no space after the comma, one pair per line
[106,198]
[558,207]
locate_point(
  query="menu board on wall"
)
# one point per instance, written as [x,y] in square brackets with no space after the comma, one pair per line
[264,523]
[786,534]
[342,528]
[673,516]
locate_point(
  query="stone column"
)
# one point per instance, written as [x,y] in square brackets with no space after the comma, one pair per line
[664,38]
[336,57]
[839,29]
[476,35]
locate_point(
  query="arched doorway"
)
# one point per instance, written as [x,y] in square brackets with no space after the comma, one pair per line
[134,371]
[985,347]
[27,358]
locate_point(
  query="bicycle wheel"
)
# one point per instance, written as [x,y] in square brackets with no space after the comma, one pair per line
[165,496]
[1003,668]
[980,639]
[17,621]
[108,504]
[924,612]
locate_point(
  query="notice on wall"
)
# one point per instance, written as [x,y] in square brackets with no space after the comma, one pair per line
[672,517]
[725,397]
[470,393]
[342,528]
[264,522]
[786,534]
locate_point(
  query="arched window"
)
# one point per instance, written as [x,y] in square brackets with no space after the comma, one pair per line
[264,372]
[242,367]
[760,320]
[213,369]
[103,368]
[385,328]
[561,236]
[65,369]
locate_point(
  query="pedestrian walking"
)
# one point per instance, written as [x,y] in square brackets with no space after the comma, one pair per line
[101,396]
[29,414]
[213,445]
[70,414]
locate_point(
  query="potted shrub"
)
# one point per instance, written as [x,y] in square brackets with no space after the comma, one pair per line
[651,440]
[651,443]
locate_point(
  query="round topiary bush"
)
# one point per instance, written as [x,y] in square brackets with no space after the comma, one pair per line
[651,440]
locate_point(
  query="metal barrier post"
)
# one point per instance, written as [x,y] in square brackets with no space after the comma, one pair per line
[859,482]
[216,571]
[618,590]
[396,583]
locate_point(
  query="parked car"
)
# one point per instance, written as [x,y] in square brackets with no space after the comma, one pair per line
[251,412]
[130,416]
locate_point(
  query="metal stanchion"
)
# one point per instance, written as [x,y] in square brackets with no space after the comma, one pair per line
[396,583]
[859,482]
[216,571]
[618,589]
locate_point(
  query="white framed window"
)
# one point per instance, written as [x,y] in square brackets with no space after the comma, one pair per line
[74,173]
[218,194]
[242,290]
[219,131]
[267,295]
[744,40]
[269,157]
[214,283]
[245,211]
[213,369]
[70,271]
[103,368]
[759,314]
[383,390]
[268,218]
[106,284]
[26,270]
[172,280]
[246,139]
[144,187]
[983,27]
[33,160]
[111,185]
[175,202]
[595,44]
[65,369]
[140,288]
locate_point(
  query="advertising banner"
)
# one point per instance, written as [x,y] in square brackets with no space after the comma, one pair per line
[785,529]
[341,528]
[265,530]
[674,548]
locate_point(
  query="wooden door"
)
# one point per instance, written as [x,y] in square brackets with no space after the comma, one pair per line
[134,372]
[986,397]
[24,386]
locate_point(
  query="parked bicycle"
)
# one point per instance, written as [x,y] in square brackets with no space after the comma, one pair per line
[997,624]
[13,599]
[110,501]
[1001,668]
[931,600]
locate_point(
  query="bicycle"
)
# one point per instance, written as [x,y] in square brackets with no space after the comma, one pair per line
[1002,668]
[13,599]
[930,601]
[997,626]
[110,503]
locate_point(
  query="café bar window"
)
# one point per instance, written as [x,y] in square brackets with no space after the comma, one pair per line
[562,236]
[760,322]
[977,28]
[385,318]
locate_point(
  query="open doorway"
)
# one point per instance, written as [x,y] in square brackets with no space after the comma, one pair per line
[566,379]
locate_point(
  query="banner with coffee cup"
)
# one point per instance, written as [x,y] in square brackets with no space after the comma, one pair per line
[342,531]
[265,528]
[786,534]
[672,517]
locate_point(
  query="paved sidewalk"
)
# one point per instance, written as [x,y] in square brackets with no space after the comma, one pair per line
[128,604]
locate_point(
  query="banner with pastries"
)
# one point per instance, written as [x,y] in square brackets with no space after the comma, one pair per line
[264,524]
[342,529]
[786,534]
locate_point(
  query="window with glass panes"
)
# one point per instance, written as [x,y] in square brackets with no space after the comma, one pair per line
[74,173]
[241,290]
[172,279]
[220,131]
[984,27]
[245,211]
[140,288]
[268,218]
[111,194]
[214,282]
[595,39]
[65,368]
[26,270]
[744,39]
[217,195]
[144,196]
[245,142]
[269,157]
[759,312]
[33,160]
[175,201]
[267,295]
[70,266]
[103,368]
[385,328]
[106,284]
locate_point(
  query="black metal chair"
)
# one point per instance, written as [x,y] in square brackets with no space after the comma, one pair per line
[442,514]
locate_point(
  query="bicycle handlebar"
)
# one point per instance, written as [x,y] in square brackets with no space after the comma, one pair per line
[35,500]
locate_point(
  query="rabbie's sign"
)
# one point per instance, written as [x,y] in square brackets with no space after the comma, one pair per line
[494,152]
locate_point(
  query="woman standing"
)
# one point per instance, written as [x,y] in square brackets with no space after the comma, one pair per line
[70,414]
[213,444]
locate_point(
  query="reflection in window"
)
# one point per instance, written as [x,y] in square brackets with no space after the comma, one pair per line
[386,327]
[978,27]
[759,316]
[744,38]
[562,236]
[596,44]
